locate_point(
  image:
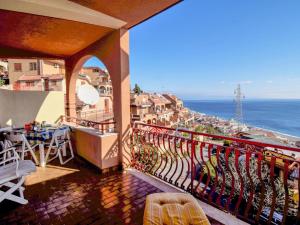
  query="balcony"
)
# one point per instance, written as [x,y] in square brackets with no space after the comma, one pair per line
[161,159]
[96,115]
[251,180]
[240,180]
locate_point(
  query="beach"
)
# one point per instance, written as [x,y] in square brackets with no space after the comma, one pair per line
[281,116]
[220,114]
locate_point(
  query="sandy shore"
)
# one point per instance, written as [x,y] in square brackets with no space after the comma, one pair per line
[278,136]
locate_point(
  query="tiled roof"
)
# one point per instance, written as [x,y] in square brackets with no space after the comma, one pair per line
[159,99]
[55,77]
[29,78]
[139,100]
[38,77]
[173,97]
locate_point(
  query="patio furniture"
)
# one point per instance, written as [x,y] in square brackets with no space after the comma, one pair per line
[3,141]
[40,137]
[20,142]
[173,208]
[4,129]
[5,152]
[12,175]
[58,146]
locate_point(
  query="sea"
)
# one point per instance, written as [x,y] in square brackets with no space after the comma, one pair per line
[282,116]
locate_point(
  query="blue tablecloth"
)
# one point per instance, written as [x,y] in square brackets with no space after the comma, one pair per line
[39,136]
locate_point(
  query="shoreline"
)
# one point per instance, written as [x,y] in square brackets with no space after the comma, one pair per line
[280,136]
[278,133]
[248,125]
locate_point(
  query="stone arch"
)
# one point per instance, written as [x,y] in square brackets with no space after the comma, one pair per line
[113,51]
[74,71]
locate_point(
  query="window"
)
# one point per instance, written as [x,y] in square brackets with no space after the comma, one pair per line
[54,83]
[29,84]
[56,65]
[32,66]
[18,67]
[92,106]
[95,70]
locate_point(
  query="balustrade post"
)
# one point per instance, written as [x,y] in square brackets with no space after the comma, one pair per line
[102,129]
[192,163]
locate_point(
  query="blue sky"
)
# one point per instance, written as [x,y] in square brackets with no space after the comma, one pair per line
[201,49]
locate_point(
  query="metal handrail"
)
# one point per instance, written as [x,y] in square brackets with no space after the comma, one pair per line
[238,140]
[245,178]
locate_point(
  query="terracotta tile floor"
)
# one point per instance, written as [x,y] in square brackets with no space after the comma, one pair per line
[79,196]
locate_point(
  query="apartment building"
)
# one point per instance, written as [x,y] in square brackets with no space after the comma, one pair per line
[160,109]
[176,103]
[99,78]
[140,106]
[36,74]
[49,75]
[159,103]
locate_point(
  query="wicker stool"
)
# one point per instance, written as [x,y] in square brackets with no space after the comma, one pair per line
[173,208]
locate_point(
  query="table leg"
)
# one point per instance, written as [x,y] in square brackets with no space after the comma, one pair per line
[42,155]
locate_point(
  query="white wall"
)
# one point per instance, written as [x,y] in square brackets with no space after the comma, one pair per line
[20,107]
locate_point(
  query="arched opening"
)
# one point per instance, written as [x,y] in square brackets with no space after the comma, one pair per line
[102,90]
[92,100]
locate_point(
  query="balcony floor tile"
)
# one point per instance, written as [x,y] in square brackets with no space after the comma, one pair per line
[78,194]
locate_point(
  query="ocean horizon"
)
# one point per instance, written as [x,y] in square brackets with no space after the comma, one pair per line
[279,115]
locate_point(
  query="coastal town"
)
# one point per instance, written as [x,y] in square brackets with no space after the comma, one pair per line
[162,109]
[168,110]
[149,112]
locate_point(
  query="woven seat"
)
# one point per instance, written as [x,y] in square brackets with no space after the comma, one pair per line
[173,208]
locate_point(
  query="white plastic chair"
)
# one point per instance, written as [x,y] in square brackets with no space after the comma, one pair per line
[22,145]
[5,129]
[59,143]
[12,176]
[5,145]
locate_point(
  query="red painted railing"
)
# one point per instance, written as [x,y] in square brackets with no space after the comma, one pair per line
[103,127]
[254,181]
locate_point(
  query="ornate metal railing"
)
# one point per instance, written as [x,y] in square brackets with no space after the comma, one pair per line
[103,127]
[254,181]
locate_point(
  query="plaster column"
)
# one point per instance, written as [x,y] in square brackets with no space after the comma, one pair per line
[70,100]
[117,62]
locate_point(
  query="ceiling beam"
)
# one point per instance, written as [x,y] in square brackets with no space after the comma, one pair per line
[62,9]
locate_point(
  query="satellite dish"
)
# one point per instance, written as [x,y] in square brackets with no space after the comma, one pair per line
[88,94]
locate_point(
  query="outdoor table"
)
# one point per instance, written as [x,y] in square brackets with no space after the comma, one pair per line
[39,137]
